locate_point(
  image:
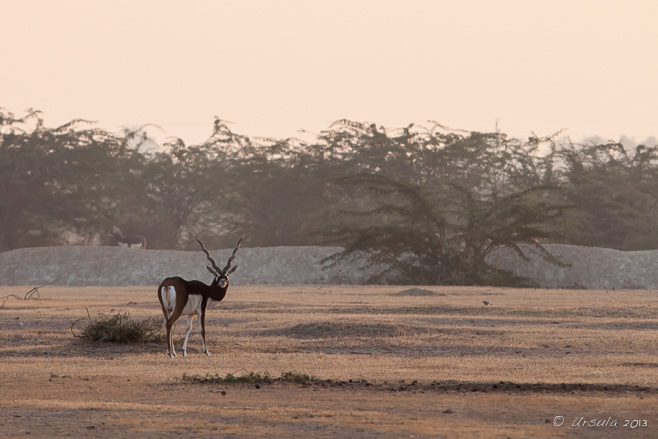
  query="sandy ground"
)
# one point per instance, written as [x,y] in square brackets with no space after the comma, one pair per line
[402,362]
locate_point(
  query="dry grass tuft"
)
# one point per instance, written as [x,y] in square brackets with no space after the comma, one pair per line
[33,294]
[120,328]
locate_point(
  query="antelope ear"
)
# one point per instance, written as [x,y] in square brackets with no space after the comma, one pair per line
[211,270]
[231,270]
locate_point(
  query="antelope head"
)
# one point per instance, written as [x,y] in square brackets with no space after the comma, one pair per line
[221,274]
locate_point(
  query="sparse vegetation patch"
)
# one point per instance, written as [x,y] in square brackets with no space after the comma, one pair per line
[33,294]
[120,328]
[248,378]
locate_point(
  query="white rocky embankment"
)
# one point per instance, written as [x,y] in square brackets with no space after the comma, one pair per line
[590,268]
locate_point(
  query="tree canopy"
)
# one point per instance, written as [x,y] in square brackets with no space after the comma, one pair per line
[426,203]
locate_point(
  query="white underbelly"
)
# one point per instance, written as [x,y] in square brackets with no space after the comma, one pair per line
[192,307]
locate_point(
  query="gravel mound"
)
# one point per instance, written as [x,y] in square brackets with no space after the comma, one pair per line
[122,266]
[417,292]
[589,267]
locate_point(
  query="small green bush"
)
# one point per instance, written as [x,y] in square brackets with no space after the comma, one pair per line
[120,328]
[294,377]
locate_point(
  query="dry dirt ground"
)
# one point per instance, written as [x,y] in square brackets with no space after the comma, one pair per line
[388,361]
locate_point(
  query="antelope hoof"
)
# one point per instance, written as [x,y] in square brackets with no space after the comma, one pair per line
[184,353]
[208,353]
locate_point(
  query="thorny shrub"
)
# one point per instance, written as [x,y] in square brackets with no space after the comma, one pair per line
[120,328]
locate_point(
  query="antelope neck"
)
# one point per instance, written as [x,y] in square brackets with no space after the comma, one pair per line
[215,292]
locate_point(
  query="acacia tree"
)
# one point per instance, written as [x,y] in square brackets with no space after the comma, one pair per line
[191,187]
[518,220]
[427,203]
[404,231]
[283,193]
[52,179]
[430,206]
[615,191]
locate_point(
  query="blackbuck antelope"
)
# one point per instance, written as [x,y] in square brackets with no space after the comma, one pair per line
[180,297]
[130,239]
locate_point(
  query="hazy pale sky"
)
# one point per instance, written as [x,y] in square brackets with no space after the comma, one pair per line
[274,67]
